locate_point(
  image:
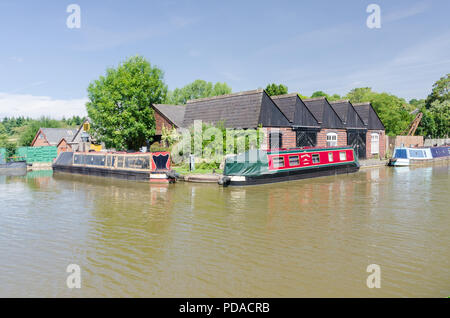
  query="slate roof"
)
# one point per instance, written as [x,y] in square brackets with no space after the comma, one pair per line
[295,110]
[324,113]
[54,135]
[239,110]
[174,113]
[369,116]
[348,114]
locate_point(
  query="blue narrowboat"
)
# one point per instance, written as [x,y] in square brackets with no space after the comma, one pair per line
[404,156]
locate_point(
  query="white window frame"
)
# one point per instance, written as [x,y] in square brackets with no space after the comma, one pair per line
[332,139]
[377,141]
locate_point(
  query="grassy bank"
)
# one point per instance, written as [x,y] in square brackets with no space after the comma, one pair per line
[202,169]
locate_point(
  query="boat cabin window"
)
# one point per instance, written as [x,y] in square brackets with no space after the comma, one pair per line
[342,155]
[108,161]
[294,160]
[330,157]
[138,162]
[315,158]
[416,153]
[331,140]
[278,162]
[77,159]
[120,162]
[95,160]
[400,153]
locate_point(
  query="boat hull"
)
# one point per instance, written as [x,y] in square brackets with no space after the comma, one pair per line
[156,177]
[16,168]
[398,162]
[290,175]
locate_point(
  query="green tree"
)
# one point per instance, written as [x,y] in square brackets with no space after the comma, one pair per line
[435,122]
[418,103]
[334,97]
[440,91]
[436,110]
[393,111]
[319,94]
[360,95]
[221,89]
[302,96]
[274,89]
[28,134]
[119,103]
[197,89]
[5,142]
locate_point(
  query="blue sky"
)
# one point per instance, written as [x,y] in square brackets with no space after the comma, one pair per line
[46,67]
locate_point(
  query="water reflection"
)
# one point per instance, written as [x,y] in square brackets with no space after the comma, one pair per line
[305,238]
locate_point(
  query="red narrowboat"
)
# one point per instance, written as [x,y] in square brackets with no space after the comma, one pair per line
[258,166]
[145,166]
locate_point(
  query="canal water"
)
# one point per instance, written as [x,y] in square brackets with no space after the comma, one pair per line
[308,238]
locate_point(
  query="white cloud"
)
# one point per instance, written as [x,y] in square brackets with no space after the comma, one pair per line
[37,106]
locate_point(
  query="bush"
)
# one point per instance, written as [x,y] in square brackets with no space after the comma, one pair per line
[155,147]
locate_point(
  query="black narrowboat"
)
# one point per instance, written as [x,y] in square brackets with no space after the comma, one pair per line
[258,166]
[13,168]
[143,166]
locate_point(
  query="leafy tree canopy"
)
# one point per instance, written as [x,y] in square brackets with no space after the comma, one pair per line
[360,95]
[274,89]
[319,94]
[28,134]
[440,91]
[119,103]
[393,111]
[197,89]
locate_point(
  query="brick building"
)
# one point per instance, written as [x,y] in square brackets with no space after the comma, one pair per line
[244,110]
[52,136]
[304,127]
[376,133]
[332,131]
[63,146]
[66,139]
[289,121]
[169,116]
[355,128]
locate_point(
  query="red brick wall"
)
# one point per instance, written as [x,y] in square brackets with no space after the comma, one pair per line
[341,137]
[40,141]
[64,146]
[382,144]
[160,121]
[288,137]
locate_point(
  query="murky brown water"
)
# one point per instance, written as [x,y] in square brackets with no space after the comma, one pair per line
[309,238]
